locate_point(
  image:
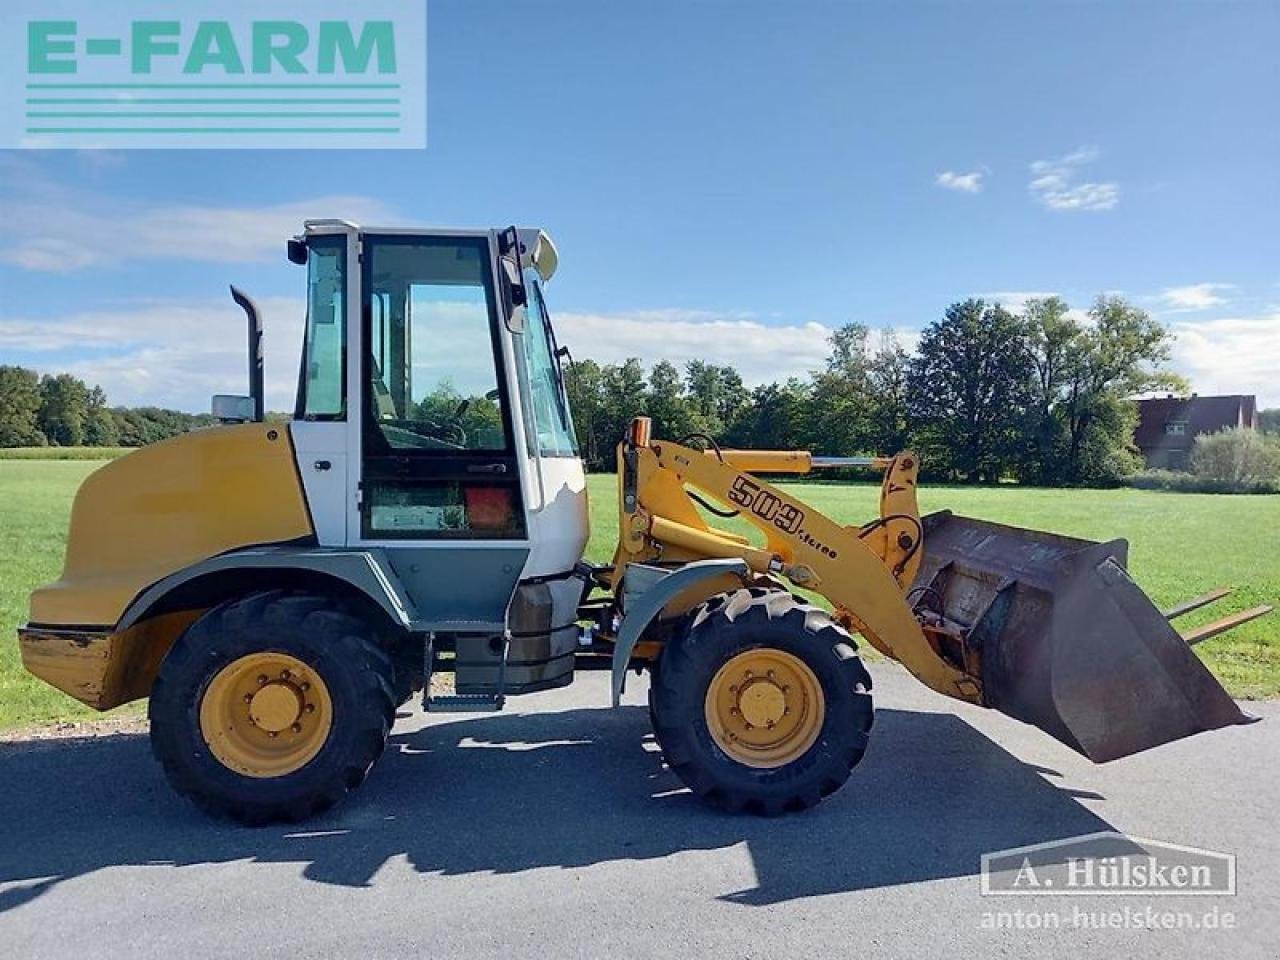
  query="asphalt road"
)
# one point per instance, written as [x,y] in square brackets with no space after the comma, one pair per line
[553,831]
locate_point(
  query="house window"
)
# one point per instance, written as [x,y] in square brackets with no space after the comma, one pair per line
[1175,428]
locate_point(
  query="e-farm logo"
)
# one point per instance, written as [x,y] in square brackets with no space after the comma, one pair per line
[214,75]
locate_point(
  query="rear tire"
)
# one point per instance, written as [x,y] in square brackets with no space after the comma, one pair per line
[222,760]
[407,683]
[827,703]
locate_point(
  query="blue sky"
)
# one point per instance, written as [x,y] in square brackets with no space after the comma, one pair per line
[723,180]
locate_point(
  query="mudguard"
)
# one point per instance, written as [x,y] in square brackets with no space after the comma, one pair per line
[642,607]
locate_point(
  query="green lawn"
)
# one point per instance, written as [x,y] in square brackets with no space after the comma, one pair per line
[35,504]
[1181,545]
[63,453]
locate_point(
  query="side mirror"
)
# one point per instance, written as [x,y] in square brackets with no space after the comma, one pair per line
[514,295]
[232,409]
[298,252]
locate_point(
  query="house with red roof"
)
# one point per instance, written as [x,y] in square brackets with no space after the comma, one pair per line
[1168,426]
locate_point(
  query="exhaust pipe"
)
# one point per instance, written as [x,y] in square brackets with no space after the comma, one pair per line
[256,387]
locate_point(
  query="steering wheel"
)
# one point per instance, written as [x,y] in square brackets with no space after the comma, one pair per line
[449,436]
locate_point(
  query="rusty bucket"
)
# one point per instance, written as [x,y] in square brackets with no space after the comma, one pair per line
[1061,637]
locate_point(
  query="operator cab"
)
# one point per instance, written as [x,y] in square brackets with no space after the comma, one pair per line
[433,424]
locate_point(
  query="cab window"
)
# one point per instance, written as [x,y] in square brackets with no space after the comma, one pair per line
[322,385]
[542,385]
[433,381]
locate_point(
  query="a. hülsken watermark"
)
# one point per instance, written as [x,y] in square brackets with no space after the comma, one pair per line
[1107,863]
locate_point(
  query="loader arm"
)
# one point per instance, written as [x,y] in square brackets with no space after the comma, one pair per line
[863,571]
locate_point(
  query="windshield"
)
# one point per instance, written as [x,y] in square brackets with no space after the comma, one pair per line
[542,381]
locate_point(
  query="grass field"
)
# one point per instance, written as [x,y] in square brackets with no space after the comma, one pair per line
[63,453]
[1180,545]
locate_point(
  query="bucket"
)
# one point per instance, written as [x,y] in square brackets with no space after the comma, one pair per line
[1061,637]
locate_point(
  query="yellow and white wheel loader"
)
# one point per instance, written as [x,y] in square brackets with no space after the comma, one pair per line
[276,590]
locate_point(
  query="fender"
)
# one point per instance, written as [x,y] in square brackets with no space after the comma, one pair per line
[640,610]
[362,569]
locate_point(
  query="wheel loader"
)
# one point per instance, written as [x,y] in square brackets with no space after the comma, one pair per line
[277,590]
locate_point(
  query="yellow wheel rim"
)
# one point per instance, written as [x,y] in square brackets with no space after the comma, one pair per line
[765,708]
[266,715]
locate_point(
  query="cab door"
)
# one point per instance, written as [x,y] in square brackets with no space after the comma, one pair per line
[439,482]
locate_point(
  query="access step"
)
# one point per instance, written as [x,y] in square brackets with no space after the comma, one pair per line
[465,703]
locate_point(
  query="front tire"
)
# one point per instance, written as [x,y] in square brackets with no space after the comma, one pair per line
[762,705]
[272,707]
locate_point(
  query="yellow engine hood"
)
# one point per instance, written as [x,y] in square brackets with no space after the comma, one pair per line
[166,506]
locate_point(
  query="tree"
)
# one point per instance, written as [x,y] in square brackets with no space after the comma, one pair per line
[716,395]
[139,426]
[672,414]
[969,390]
[1081,426]
[583,383]
[841,399]
[64,409]
[101,428]
[775,417]
[1056,346]
[1120,355]
[623,396]
[20,408]
[888,420]
[1269,421]
[1238,456]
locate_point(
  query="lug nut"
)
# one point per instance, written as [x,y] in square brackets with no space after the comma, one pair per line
[248,698]
[262,679]
[305,686]
[296,728]
[311,708]
[272,734]
[284,674]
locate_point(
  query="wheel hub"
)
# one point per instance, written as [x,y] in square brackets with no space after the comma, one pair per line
[266,714]
[765,707]
[761,703]
[276,706]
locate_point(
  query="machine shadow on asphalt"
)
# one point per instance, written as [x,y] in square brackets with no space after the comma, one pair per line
[517,792]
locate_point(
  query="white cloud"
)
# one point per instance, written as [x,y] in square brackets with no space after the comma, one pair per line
[1015,301]
[53,228]
[1197,296]
[178,354]
[1231,355]
[166,354]
[1055,183]
[970,182]
[761,353]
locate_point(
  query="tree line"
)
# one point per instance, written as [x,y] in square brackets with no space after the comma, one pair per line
[1039,396]
[60,410]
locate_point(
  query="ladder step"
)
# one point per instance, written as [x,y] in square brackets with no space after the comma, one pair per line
[465,703]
